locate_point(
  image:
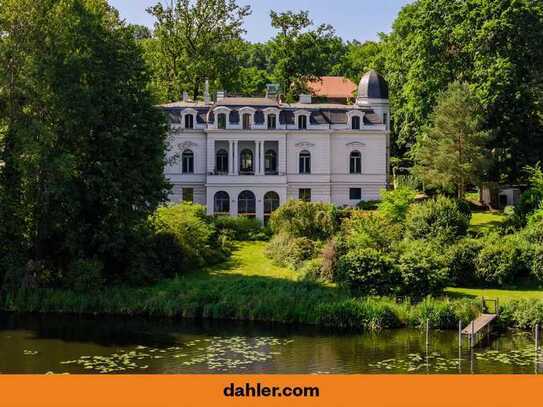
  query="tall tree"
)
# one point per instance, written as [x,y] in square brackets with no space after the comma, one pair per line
[362,57]
[302,52]
[452,153]
[497,46]
[196,41]
[81,143]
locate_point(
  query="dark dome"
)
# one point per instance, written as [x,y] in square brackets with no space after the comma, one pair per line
[373,86]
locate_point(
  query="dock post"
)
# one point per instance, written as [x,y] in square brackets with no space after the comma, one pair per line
[460,335]
[536,338]
[427,332]
[472,335]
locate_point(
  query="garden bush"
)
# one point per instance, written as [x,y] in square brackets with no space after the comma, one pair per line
[367,271]
[503,259]
[85,276]
[441,218]
[193,232]
[371,230]
[330,254]
[289,251]
[537,264]
[316,221]
[240,228]
[395,204]
[461,258]
[311,270]
[423,269]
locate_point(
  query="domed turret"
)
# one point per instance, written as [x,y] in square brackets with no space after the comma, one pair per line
[372,86]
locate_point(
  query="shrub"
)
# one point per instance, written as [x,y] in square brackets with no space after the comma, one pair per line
[317,221]
[394,204]
[441,218]
[193,232]
[368,205]
[371,230]
[423,270]
[290,251]
[239,228]
[533,232]
[503,260]
[368,271]
[85,276]
[330,253]
[311,270]
[462,257]
[537,264]
[530,200]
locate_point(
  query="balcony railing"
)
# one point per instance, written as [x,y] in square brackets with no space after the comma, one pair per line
[247,173]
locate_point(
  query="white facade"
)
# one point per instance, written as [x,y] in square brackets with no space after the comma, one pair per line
[242,164]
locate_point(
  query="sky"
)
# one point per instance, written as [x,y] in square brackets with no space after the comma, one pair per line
[352,19]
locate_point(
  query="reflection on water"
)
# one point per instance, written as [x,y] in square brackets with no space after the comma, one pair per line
[63,344]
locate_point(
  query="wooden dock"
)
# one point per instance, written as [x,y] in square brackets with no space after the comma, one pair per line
[482,325]
[479,324]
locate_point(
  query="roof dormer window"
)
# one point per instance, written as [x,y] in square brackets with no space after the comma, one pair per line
[355,119]
[189,121]
[246,121]
[302,119]
[189,118]
[272,118]
[221,121]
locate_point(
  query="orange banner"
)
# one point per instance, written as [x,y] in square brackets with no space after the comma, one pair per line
[329,391]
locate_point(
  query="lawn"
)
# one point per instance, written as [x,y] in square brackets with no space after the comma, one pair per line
[249,260]
[504,295]
[484,222]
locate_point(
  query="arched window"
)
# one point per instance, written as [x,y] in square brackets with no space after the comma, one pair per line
[247,204]
[246,121]
[355,122]
[188,162]
[189,121]
[272,122]
[271,204]
[246,162]
[221,164]
[356,162]
[305,162]
[221,121]
[302,122]
[270,162]
[222,203]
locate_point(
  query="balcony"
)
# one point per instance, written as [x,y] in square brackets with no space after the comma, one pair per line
[246,178]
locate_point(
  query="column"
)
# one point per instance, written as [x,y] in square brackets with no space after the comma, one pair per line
[210,155]
[260,207]
[257,158]
[282,156]
[236,158]
[230,157]
[262,158]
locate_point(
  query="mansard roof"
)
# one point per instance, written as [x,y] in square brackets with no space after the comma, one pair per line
[319,113]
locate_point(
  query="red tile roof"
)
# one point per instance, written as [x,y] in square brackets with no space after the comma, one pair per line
[333,87]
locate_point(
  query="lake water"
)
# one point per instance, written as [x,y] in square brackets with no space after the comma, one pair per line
[64,344]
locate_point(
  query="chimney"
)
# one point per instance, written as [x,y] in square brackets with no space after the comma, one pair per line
[207,98]
[185,96]
[221,94]
[305,99]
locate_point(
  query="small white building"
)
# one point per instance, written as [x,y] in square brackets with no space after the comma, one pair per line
[247,156]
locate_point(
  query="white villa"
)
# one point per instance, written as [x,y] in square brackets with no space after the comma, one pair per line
[247,156]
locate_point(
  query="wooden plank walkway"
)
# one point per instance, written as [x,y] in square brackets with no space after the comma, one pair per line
[479,324]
